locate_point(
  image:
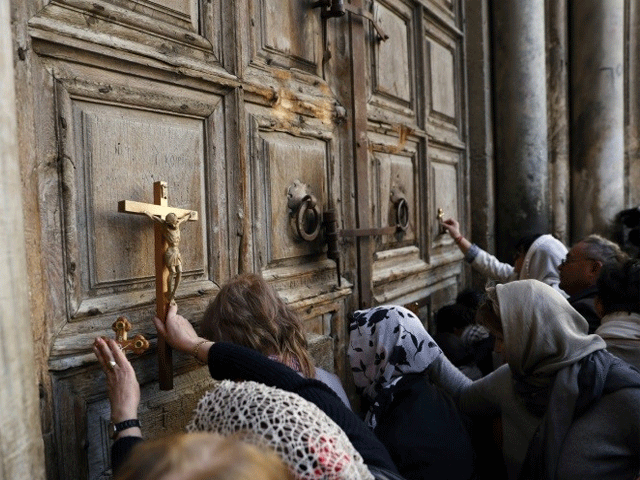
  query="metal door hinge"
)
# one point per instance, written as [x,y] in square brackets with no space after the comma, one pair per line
[337,8]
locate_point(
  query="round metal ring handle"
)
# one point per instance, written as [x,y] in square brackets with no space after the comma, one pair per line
[308,207]
[402,214]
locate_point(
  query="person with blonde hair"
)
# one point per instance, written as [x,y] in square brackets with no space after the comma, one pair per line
[249,312]
[230,361]
[201,456]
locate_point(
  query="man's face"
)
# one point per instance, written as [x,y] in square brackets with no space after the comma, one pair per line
[578,272]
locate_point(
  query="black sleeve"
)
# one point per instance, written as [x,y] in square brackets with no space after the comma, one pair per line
[120,451]
[228,361]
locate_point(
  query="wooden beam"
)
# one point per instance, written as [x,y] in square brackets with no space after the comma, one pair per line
[138,208]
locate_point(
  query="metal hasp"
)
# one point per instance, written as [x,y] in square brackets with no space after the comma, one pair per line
[304,212]
[331,234]
[337,8]
[402,220]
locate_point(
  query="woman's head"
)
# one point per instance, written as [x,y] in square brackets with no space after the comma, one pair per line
[488,315]
[619,287]
[386,343]
[540,259]
[542,332]
[248,311]
[201,456]
[521,249]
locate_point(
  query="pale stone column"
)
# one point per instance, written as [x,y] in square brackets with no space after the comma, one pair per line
[597,114]
[21,445]
[558,116]
[481,150]
[633,107]
[522,182]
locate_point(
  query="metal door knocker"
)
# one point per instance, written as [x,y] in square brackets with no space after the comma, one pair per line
[402,209]
[304,212]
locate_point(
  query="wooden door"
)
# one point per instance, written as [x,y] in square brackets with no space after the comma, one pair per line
[417,153]
[232,103]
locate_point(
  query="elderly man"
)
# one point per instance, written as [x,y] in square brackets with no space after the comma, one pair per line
[579,272]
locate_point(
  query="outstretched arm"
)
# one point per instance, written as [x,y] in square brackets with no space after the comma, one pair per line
[122,385]
[185,217]
[124,396]
[181,335]
[155,218]
[453,228]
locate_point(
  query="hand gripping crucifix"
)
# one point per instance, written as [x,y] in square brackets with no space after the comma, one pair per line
[167,222]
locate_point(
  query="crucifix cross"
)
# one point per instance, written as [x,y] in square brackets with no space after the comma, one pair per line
[168,261]
[137,344]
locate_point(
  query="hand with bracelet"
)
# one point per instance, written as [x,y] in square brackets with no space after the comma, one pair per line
[122,386]
[453,228]
[181,335]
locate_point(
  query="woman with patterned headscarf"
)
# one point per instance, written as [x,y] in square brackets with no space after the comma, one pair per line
[389,352]
[569,408]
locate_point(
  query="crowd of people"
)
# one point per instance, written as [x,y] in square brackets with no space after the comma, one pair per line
[534,378]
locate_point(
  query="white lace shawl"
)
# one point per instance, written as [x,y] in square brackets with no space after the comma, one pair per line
[308,441]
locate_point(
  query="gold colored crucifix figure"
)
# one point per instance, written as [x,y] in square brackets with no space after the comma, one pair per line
[168,261]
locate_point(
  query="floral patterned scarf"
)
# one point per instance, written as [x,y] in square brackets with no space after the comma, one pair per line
[385,344]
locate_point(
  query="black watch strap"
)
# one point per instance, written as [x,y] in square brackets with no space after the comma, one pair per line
[118,427]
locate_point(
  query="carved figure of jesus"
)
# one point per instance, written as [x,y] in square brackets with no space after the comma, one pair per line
[172,259]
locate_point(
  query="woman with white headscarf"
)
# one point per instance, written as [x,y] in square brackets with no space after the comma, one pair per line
[536,257]
[389,352]
[569,408]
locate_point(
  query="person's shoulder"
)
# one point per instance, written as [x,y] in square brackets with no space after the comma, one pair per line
[321,372]
[621,404]
[585,296]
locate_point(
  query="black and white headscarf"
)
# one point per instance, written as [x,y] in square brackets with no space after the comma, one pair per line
[386,343]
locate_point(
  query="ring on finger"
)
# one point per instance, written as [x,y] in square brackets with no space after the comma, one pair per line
[112,364]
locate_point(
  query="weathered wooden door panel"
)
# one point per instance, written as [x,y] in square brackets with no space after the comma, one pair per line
[281,159]
[393,69]
[286,34]
[446,127]
[293,136]
[117,139]
[397,151]
[83,414]
[416,135]
[183,33]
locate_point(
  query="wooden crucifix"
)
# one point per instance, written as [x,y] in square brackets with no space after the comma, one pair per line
[168,261]
[137,344]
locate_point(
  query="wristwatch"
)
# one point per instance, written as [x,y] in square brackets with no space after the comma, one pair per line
[114,428]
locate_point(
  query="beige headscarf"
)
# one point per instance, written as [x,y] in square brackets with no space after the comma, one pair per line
[559,370]
[542,261]
[542,332]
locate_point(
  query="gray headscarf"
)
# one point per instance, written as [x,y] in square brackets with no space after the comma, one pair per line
[559,370]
